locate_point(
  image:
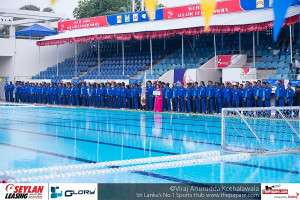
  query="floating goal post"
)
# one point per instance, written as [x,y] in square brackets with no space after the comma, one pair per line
[261,130]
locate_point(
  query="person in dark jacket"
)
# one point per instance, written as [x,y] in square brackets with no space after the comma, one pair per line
[296,100]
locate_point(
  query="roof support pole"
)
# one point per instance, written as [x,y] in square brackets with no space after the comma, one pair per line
[194,44]
[98,58]
[39,59]
[257,38]
[182,53]
[123,58]
[222,40]
[57,60]
[291,43]
[215,49]
[240,44]
[117,47]
[151,59]
[75,58]
[140,45]
[164,43]
[254,49]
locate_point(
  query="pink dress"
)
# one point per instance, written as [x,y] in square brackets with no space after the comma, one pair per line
[158,102]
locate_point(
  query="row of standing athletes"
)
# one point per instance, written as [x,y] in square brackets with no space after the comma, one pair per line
[192,98]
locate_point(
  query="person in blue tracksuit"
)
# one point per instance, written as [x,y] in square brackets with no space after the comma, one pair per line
[202,97]
[109,96]
[54,94]
[135,95]
[11,92]
[21,92]
[17,89]
[6,90]
[241,89]
[43,92]
[77,94]
[168,97]
[39,93]
[236,97]
[188,97]
[129,97]
[210,97]
[248,95]
[93,94]
[265,96]
[102,95]
[58,89]
[289,99]
[149,96]
[28,92]
[89,95]
[227,96]
[218,98]
[63,94]
[49,91]
[83,94]
[68,95]
[256,92]
[32,93]
[73,101]
[280,94]
[113,95]
[196,100]
[97,96]
[123,96]
[181,96]
[118,96]
[175,97]
[140,96]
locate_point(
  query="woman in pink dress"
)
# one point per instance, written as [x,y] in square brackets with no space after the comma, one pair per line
[158,100]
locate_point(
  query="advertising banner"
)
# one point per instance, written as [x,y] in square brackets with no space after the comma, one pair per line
[82,23]
[132,17]
[185,75]
[272,82]
[24,191]
[225,61]
[73,191]
[295,82]
[260,4]
[195,10]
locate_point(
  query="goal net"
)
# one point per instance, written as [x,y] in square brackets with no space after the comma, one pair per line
[261,130]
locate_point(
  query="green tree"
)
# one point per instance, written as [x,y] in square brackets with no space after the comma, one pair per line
[93,8]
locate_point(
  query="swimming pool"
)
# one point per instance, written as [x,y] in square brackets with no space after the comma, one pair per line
[36,137]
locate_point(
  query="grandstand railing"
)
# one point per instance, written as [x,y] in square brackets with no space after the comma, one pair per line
[261,130]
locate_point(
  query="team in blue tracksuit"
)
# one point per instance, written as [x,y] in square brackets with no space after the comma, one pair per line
[210,97]
[129,97]
[181,96]
[289,99]
[118,96]
[256,92]
[102,95]
[83,94]
[188,97]
[202,97]
[248,95]
[168,97]
[241,89]
[218,98]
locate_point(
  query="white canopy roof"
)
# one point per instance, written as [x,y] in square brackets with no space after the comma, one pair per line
[240,18]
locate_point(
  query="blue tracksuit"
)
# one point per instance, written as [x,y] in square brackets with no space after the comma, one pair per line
[109,98]
[265,94]
[188,96]
[196,92]
[77,93]
[123,96]
[150,97]
[256,93]
[280,94]
[129,98]
[118,98]
[236,98]
[289,96]
[68,94]
[175,97]
[11,92]
[211,102]
[83,93]
[135,95]
[17,93]
[73,101]
[218,99]
[90,96]
[227,97]
[248,94]
[168,97]
[102,96]
[241,97]
[6,89]
[181,94]
[54,95]
[202,95]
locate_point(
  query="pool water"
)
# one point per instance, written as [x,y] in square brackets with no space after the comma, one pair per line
[35,137]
